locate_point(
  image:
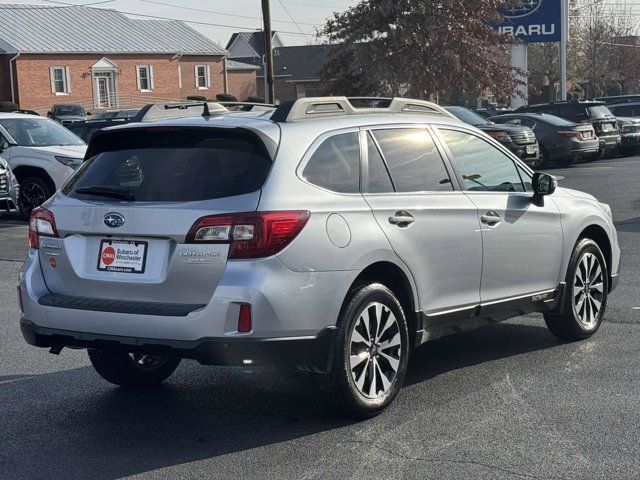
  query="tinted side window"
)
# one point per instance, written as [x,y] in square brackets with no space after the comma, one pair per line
[335,165]
[481,166]
[379,180]
[414,160]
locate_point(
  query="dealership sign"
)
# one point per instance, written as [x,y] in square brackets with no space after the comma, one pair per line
[531,20]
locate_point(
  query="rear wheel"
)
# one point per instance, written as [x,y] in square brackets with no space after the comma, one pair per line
[132,369]
[371,353]
[586,296]
[34,191]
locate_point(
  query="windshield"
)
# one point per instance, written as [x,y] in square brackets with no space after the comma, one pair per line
[38,132]
[68,110]
[105,115]
[599,111]
[467,116]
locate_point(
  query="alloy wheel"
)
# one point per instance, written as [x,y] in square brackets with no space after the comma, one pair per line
[375,350]
[33,195]
[588,291]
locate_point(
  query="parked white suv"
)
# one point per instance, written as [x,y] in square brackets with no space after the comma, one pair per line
[42,154]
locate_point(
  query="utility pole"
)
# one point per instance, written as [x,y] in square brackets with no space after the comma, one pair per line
[269,96]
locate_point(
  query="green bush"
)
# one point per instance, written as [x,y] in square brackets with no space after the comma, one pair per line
[197,98]
[7,106]
[226,97]
[255,100]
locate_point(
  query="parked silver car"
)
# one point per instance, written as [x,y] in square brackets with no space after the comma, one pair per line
[321,236]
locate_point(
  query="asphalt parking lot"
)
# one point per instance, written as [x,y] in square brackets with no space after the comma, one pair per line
[507,401]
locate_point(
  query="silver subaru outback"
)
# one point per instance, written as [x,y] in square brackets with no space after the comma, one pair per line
[319,235]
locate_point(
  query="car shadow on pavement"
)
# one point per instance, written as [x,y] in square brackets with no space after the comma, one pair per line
[72,424]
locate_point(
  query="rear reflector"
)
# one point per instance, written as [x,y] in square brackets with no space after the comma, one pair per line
[250,235]
[244,319]
[41,224]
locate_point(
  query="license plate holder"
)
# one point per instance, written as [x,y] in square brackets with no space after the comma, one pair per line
[122,256]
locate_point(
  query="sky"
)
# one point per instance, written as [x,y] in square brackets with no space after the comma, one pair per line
[296,20]
[294,16]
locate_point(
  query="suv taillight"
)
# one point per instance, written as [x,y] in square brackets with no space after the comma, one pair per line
[41,224]
[251,235]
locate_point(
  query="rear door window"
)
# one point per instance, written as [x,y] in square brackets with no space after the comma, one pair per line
[335,165]
[154,165]
[414,161]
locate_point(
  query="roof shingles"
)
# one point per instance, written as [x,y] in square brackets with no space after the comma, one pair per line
[49,29]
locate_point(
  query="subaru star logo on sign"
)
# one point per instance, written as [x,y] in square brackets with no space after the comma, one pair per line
[113,220]
[531,20]
[519,8]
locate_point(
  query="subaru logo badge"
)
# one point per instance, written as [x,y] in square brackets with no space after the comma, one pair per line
[113,220]
[519,8]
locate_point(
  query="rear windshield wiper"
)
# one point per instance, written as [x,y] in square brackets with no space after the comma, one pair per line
[105,191]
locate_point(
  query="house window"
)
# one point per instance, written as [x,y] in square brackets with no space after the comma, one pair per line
[60,80]
[145,77]
[203,77]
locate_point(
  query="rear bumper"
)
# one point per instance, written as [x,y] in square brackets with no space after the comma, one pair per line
[609,141]
[308,352]
[528,157]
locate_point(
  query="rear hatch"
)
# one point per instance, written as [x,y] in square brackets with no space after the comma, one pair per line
[123,219]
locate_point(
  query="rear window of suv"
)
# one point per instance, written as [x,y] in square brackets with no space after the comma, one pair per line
[172,165]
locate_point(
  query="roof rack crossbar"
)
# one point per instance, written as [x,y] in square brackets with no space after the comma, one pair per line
[318,107]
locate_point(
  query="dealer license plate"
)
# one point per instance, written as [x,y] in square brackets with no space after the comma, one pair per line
[124,256]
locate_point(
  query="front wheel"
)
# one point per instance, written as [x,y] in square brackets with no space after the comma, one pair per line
[371,353]
[587,284]
[34,191]
[132,369]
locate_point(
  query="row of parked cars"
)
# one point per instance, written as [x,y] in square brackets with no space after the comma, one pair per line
[563,132]
[39,154]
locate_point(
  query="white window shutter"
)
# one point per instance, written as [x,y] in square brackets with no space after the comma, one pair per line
[67,73]
[208,71]
[138,77]
[52,76]
[195,74]
[150,77]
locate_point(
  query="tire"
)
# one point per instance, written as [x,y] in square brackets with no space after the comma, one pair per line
[132,370]
[595,156]
[580,315]
[34,191]
[363,387]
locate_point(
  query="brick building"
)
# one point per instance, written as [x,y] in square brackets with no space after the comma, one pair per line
[101,58]
[296,69]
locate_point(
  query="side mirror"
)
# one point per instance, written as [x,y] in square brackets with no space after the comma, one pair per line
[543,184]
[49,113]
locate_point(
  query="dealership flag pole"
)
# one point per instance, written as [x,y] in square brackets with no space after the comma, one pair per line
[564,35]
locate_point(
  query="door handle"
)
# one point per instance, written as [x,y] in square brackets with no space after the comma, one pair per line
[491,218]
[401,219]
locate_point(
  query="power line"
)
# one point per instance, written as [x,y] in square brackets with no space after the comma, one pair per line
[194,22]
[291,17]
[219,13]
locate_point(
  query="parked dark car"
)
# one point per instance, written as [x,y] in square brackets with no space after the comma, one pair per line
[596,113]
[492,111]
[630,134]
[615,99]
[519,139]
[68,113]
[127,113]
[561,141]
[105,119]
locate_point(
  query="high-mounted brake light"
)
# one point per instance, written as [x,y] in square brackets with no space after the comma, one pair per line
[251,235]
[41,224]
